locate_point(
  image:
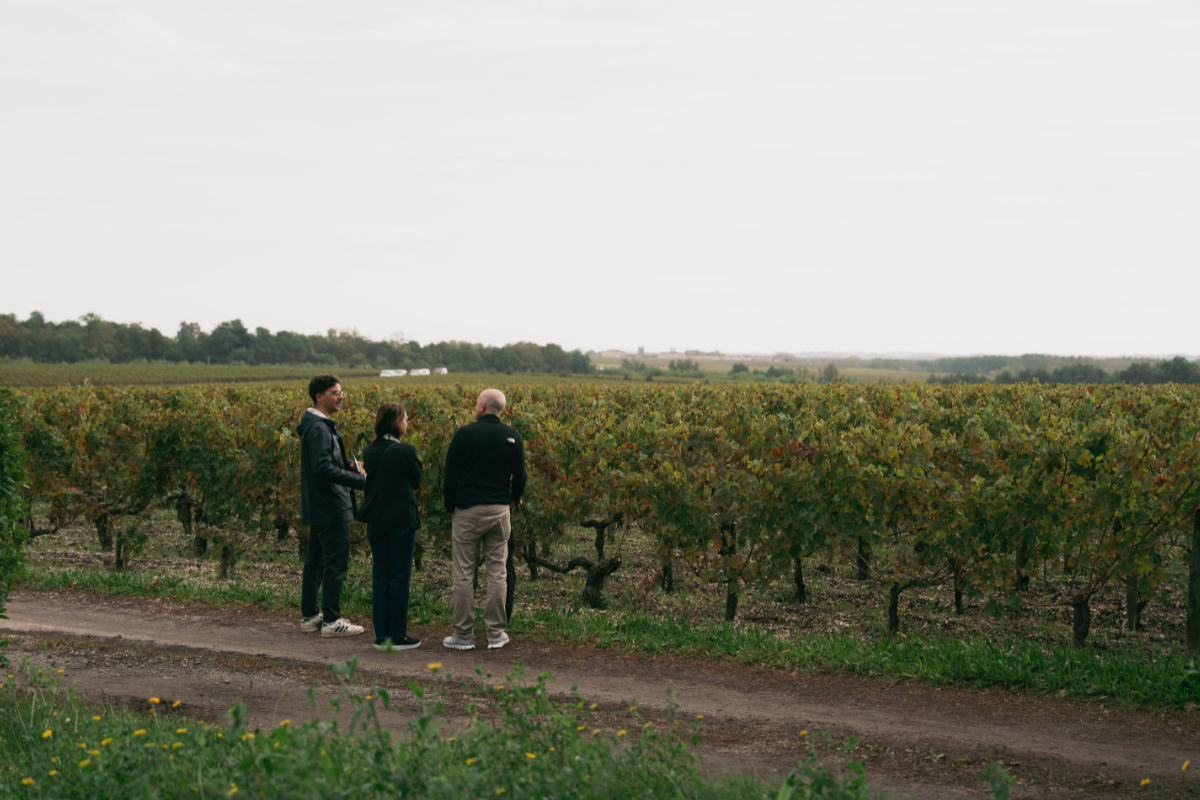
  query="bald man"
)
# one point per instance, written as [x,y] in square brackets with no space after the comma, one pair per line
[484,480]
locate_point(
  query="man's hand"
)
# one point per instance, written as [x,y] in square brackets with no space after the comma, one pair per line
[361,471]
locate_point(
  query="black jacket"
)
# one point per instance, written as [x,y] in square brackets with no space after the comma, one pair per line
[326,478]
[485,465]
[393,478]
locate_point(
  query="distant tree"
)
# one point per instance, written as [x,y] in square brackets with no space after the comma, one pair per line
[957,377]
[685,367]
[1177,370]
[738,368]
[1079,373]
[829,374]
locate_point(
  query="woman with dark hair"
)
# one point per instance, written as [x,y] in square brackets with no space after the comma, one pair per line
[390,511]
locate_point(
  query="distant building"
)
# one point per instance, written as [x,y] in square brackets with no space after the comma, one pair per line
[393,373]
[419,372]
[641,352]
[440,371]
[613,354]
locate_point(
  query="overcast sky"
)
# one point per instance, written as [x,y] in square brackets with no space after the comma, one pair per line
[951,176]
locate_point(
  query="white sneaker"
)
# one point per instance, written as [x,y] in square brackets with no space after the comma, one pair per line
[498,642]
[456,642]
[311,624]
[340,627]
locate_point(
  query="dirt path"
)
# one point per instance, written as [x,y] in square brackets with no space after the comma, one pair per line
[917,741]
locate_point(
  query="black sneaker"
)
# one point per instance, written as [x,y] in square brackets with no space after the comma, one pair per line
[407,643]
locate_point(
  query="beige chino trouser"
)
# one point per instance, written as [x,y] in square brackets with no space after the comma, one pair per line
[488,527]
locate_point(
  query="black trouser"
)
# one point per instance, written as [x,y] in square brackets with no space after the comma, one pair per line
[325,568]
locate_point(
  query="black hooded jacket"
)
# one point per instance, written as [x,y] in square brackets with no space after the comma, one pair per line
[327,480]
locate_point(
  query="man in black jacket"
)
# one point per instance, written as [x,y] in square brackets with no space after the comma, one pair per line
[327,504]
[484,479]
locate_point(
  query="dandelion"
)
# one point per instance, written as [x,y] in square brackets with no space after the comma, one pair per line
[95,719]
[233,789]
[581,727]
[277,745]
[177,745]
[140,732]
[85,762]
[177,704]
[593,707]
[285,723]
[471,761]
[633,708]
[531,756]
[46,734]
[1145,782]
[181,730]
[249,736]
[500,790]
[622,732]
[155,700]
[106,742]
[54,761]
[27,781]
[804,733]
[501,686]
[699,716]
[62,672]
[596,732]
[53,772]
[435,666]
[93,752]
[452,739]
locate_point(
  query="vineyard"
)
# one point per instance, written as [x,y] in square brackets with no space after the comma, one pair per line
[995,494]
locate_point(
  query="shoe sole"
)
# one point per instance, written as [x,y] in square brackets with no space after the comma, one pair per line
[397,647]
[458,646]
[341,634]
[496,646]
[307,629]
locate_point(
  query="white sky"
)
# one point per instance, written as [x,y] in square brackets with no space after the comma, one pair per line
[950,176]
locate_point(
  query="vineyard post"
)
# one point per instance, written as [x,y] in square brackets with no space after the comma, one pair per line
[1193,598]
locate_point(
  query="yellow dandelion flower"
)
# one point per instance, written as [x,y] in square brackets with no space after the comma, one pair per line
[233,789]
[621,733]
[501,790]
[140,732]
[531,756]
[452,739]
[699,716]
[46,734]
[220,736]
[368,697]
[250,736]
[285,723]
[804,733]
[106,742]
[593,706]
[471,761]
[596,732]
[53,772]
[93,752]
[83,745]
[27,781]
[581,727]
[633,708]
[181,730]
[1145,782]
[552,750]
[499,687]
[85,762]
[177,704]
[177,745]
[54,761]
[62,672]
[435,666]
[155,700]
[95,719]
[277,745]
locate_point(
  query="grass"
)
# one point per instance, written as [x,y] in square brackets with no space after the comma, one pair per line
[56,745]
[841,629]
[22,374]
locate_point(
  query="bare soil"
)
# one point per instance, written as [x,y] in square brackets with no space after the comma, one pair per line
[915,741]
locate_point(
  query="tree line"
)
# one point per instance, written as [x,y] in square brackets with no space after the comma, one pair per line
[1176,370]
[92,338]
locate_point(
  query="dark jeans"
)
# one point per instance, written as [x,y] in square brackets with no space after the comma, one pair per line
[325,568]
[391,575]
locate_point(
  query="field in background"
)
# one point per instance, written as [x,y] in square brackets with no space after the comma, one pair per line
[20,374]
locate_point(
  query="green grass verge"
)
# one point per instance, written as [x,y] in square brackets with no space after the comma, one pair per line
[57,746]
[1168,680]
